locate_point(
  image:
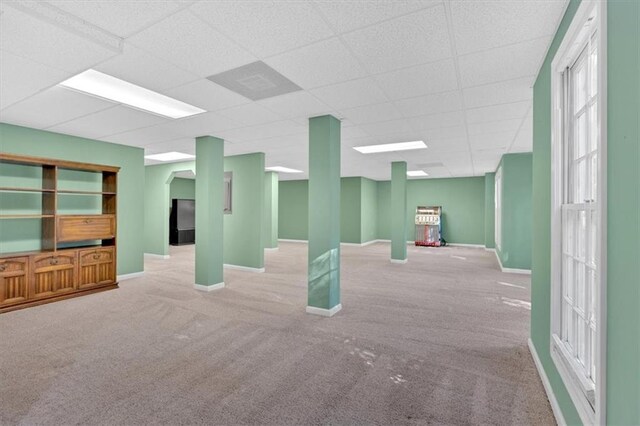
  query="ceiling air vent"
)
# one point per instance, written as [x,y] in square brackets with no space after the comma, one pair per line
[255,81]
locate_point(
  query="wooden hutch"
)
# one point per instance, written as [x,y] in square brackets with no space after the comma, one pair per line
[76,252]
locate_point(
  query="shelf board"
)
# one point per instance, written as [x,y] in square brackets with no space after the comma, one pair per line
[77,192]
[11,189]
[26,216]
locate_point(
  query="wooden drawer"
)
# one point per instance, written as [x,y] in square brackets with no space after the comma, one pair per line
[97,267]
[13,280]
[82,228]
[53,274]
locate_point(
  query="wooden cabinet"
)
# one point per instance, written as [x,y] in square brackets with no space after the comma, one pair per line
[85,227]
[97,267]
[13,280]
[77,253]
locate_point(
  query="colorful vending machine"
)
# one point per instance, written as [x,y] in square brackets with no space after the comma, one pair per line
[429,226]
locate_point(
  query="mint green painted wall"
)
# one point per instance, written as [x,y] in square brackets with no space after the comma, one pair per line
[293,210]
[241,228]
[462,201]
[368,210]
[350,210]
[489,210]
[184,189]
[26,141]
[399,218]
[515,250]
[623,251]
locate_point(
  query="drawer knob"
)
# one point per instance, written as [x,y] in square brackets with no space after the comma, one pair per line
[96,256]
[3,267]
[87,221]
[53,261]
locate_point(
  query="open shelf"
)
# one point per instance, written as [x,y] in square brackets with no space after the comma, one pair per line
[11,189]
[26,216]
[78,192]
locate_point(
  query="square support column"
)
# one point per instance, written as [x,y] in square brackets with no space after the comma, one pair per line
[399,212]
[324,216]
[209,213]
[271,210]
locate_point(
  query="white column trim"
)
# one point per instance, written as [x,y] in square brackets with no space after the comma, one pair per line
[130,276]
[157,256]
[208,288]
[324,312]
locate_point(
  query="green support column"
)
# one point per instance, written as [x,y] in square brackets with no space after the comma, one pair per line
[399,212]
[271,210]
[209,213]
[324,216]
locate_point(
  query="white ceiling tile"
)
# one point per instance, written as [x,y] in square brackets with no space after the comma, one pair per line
[350,94]
[20,78]
[349,15]
[402,42]
[139,67]
[491,140]
[353,133]
[185,145]
[189,43]
[481,25]
[120,17]
[320,64]
[208,123]
[498,93]
[502,126]
[371,113]
[268,27]
[296,105]
[444,133]
[436,77]
[250,114]
[384,128]
[430,104]
[503,63]
[207,95]
[48,44]
[269,130]
[498,112]
[437,146]
[107,122]
[435,121]
[145,136]
[52,106]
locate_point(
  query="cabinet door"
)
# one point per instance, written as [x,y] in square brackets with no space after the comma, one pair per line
[13,280]
[97,267]
[53,274]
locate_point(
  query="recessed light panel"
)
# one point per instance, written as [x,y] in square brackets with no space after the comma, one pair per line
[170,156]
[113,89]
[390,147]
[417,173]
[283,169]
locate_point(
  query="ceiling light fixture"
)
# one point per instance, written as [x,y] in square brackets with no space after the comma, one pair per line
[417,173]
[283,169]
[170,156]
[389,147]
[113,89]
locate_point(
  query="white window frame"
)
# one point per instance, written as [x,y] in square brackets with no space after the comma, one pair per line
[590,17]
[498,208]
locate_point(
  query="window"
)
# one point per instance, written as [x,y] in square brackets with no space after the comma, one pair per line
[498,207]
[577,333]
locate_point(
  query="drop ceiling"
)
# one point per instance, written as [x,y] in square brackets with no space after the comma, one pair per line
[456,74]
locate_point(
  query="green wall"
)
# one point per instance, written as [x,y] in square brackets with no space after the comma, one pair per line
[350,210]
[369,210]
[181,188]
[515,250]
[26,141]
[243,235]
[293,210]
[489,210]
[462,201]
[623,223]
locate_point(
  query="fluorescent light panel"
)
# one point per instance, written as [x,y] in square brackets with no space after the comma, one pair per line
[417,173]
[283,169]
[170,156]
[389,147]
[107,87]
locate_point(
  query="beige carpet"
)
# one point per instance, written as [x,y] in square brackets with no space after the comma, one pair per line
[440,340]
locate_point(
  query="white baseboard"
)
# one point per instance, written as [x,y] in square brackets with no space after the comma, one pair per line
[243,268]
[511,270]
[324,312]
[342,244]
[490,249]
[285,240]
[403,261]
[555,407]
[132,275]
[466,245]
[212,287]
[271,248]
[157,256]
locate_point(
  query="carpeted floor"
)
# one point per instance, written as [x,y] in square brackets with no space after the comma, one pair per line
[440,340]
